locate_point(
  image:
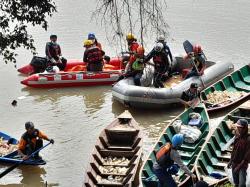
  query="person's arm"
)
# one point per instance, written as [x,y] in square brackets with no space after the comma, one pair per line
[60,51]
[169,53]
[85,59]
[184,99]
[175,156]
[149,56]
[21,147]
[47,51]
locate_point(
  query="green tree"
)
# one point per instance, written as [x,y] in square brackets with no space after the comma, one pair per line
[15,16]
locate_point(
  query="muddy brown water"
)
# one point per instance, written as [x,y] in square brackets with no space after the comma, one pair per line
[75,116]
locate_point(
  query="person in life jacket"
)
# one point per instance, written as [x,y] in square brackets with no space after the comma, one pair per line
[197,56]
[137,65]
[191,97]
[132,43]
[166,159]
[93,56]
[91,36]
[162,66]
[31,141]
[240,155]
[161,39]
[54,54]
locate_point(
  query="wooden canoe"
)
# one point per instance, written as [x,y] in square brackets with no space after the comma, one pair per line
[188,151]
[213,158]
[121,140]
[13,157]
[238,81]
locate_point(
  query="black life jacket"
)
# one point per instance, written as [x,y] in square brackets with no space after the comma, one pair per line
[28,137]
[54,50]
[163,156]
[94,55]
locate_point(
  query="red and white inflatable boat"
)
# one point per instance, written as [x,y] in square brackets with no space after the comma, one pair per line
[75,74]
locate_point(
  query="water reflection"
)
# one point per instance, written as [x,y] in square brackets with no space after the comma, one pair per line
[93,97]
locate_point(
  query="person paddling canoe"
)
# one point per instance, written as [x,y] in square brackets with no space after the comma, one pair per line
[31,141]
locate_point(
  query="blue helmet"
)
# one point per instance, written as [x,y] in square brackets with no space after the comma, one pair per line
[91,36]
[177,140]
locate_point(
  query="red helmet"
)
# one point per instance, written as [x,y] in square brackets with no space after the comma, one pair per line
[197,49]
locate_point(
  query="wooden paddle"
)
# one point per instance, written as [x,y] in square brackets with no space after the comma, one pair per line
[21,161]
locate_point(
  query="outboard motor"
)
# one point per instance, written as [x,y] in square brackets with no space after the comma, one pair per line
[39,64]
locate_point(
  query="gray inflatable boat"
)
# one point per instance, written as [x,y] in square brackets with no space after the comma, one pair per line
[149,97]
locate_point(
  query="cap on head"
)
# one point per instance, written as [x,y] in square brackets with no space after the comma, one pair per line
[193,85]
[91,36]
[158,47]
[29,125]
[242,123]
[53,36]
[177,140]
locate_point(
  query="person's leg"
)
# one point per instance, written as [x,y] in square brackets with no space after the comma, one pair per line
[235,178]
[39,144]
[137,78]
[192,73]
[242,178]
[99,66]
[165,179]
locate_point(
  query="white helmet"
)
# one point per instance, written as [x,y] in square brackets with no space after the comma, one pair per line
[161,38]
[158,47]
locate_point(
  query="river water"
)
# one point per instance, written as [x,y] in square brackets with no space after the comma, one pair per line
[74,117]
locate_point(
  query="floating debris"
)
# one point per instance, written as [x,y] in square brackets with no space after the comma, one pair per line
[224,97]
[14,103]
[110,179]
[115,161]
[6,148]
[114,170]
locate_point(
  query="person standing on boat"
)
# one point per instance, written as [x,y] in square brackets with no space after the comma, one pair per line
[161,39]
[240,156]
[91,36]
[168,162]
[199,61]
[54,54]
[161,62]
[31,141]
[191,97]
[93,56]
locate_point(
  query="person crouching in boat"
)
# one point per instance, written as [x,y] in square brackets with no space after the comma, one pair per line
[93,56]
[135,66]
[31,141]
[191,97]
[168,162]
[161,63]
[199,62]
[54,54]
[240,156]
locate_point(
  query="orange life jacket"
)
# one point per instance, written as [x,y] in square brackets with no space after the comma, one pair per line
[163,156]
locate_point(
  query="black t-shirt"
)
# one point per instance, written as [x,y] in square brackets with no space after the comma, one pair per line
[189,96]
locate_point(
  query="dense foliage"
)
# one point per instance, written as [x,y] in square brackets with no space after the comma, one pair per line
[15,16]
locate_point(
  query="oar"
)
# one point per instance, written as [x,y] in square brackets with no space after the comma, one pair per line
[21,161]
